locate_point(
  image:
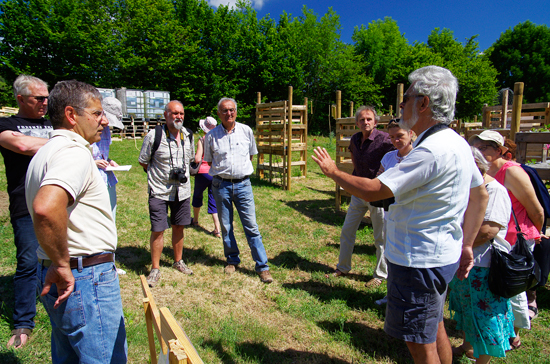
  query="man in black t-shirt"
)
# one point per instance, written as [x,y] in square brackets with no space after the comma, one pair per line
[21,136]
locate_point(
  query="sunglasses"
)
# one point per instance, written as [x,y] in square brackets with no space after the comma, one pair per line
[38,98]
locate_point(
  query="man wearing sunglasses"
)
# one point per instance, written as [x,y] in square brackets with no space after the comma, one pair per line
[440,200]
[21,136]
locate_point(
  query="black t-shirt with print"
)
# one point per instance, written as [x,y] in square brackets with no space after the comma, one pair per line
[17,164]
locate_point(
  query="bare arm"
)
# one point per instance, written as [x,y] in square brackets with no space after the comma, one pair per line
[50,224]
[200,150]
[518,182]
[365,188]
[488,230]
[20,143]
[473,218]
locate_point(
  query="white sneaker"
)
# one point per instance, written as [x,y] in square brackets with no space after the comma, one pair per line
[382,301]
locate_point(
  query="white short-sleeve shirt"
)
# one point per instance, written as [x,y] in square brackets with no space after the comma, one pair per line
[66,161]
[431,188]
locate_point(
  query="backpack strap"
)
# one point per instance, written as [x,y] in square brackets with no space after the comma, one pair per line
[156,142]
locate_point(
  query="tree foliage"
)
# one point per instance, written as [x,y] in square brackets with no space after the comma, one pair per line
[522,54]
[200,54]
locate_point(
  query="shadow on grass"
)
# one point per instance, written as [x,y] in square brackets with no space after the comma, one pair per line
[364,249]
[138,259]
[327,292]
[318,210]
[6,300]
[260,353]
[8,357]
[290,260]
[369,340]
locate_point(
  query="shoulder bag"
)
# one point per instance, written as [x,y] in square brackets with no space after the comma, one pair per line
[513,273]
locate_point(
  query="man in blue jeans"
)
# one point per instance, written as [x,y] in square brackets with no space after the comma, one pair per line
[76,231]
[228,149]
[21,136]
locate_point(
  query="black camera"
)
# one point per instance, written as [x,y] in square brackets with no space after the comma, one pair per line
[178,174]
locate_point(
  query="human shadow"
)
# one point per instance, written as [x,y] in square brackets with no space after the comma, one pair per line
[330,290]
[260,353]
[364,249]
[369,340]
[9,357]
[291,260]
[318,210]
[6,299]
[137,259]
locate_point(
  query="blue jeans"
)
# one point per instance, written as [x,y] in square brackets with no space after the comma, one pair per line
[89,326]
[24,281]
[239,194]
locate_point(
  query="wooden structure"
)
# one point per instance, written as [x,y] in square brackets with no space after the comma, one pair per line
[135,128]
[345,128]
[281,138]
[174,343]
[8,111]
[531,147]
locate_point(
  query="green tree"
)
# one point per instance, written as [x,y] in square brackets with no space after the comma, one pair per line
[522,54]
[383,48]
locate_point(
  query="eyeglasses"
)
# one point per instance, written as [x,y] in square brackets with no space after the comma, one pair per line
[38,98]
[96,114]
[408,97]
[484,147]
[394,121]
[229,111]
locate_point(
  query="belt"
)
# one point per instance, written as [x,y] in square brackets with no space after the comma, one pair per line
[232,180]
[87,261]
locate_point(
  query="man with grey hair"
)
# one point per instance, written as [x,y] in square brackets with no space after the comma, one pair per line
[71,212]
[228,149]
[440,200]
[168,179]
[21,136]
[367,148]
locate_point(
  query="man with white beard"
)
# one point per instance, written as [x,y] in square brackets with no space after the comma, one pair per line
[166,159]
[440,201]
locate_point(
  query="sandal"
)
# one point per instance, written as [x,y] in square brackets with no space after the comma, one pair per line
[195,223]
[216,234]
[514,346]
[460,350]
[534,310]
[17,343]
[338,273]
[375,282]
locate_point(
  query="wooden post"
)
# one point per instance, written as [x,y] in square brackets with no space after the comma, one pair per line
[486,115]
[516,109]
[391,110]
[399,100]
[260,158]
[504,116]
[351,109]
[289,139]
[305,137]
[338,104]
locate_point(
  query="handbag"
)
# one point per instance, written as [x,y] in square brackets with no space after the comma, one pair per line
[542,254]
[513,273]
[194,168]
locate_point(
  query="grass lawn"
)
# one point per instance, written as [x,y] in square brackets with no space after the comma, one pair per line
[305,316]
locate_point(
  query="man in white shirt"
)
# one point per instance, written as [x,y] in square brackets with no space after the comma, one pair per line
[229,149]
[435,187]
[72,218]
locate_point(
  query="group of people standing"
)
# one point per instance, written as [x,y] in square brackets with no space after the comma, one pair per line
[444,204]
[451,203]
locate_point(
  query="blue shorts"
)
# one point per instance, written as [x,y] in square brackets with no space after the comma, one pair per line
[416,297]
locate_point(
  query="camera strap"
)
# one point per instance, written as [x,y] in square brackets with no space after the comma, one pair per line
[170,148]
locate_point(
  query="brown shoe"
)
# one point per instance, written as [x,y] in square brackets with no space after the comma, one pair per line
[230,269]
[265,276]
[373,283]
[182,267]
[338,273]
